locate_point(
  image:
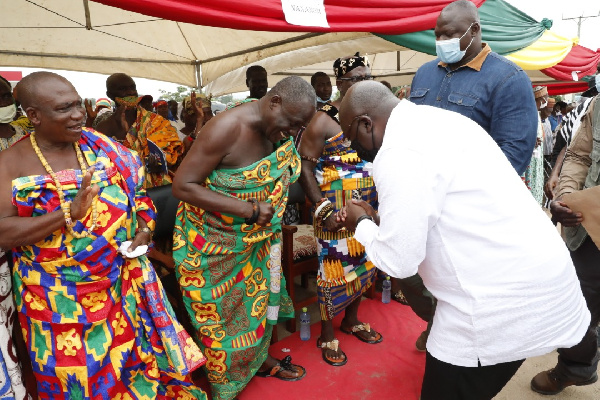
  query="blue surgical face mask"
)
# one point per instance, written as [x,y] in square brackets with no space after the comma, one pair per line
[320,100]
[449,50]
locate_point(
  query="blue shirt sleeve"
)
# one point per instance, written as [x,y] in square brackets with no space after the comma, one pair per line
[514,120]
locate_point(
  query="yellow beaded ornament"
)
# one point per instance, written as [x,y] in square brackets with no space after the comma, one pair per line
[66,205]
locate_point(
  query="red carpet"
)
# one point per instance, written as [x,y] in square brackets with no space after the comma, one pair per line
[392,369]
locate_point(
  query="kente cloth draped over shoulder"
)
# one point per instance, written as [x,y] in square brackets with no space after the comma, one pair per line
[97,325]
[230,272]
[152,126]
[11,379]
[344,272]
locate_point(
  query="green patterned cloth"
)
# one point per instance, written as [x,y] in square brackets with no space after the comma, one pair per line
[230,272]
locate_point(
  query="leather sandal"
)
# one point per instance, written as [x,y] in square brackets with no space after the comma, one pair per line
[364,326]
[283,365]
[334,346]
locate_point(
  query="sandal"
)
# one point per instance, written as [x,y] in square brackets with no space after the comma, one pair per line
[333,345]
[400,298]
[363,327]
[284,365]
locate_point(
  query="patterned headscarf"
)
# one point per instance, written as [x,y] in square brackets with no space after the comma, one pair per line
[103,102]
[342,66]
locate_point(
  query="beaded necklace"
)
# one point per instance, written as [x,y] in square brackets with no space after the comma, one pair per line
[66,205]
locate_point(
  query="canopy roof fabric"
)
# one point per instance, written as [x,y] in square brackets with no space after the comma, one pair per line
[84,35]
[505,28]
[580,60]
[381,16]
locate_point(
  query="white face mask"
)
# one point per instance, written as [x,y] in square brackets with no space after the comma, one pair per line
[449,50]
[544,104]
[7,114]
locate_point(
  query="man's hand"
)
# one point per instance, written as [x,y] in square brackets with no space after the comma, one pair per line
[152,164]
[84,197]
[140,239]
[352,211]
[563,214]
[120,117]
[550,185]
[332,223]
[266,213]
[198,111]
[91,112]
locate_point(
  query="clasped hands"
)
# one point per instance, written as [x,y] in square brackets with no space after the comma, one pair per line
[348,216]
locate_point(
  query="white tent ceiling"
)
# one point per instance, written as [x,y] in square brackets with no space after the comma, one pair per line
[86,36]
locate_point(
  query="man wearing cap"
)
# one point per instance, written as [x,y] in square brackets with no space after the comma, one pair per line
[132,125]
[331,172]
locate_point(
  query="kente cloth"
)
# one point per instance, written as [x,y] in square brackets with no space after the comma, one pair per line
[533,177]
[344,271]
[98,325]
[149,125]
[11,380]
[20,133]
[230,272]
[24,123]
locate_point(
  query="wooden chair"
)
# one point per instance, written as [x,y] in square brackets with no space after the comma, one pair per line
[299,251]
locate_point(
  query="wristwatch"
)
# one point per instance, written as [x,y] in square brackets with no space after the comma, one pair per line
[145,230]
[363,217]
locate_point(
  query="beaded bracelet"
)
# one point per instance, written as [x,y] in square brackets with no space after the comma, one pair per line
[309,158]
[255,212]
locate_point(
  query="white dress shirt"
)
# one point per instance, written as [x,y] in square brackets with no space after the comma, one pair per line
[453,209]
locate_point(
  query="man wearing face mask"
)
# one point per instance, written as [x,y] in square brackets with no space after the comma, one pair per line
[470,79]
[10,133]
[331,171]
[504,280]
[322,84]
[133,126]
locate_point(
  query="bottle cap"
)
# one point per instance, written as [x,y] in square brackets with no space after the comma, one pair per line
[304,309]
[387,278]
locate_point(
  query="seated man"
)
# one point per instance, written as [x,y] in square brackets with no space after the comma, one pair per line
[227,241]
[95,321]
[133,126]
[504,281]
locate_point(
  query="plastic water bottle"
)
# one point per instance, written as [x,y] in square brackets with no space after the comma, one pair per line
[386,294]
[304,324]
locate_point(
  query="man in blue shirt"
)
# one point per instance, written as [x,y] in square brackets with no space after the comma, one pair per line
[470,79]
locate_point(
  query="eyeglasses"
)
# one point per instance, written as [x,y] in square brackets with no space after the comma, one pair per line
[358,78]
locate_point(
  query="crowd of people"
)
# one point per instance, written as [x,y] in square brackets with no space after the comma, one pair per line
[444,185]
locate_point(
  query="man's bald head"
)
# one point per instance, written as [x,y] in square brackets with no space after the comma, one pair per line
[463,9]
[33,87]
[295,89]
[367,97]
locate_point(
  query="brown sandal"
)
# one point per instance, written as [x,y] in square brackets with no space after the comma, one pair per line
[363,327]
[283,365]
[333,345]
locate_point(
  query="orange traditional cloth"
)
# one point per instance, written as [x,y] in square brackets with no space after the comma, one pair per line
[152,126]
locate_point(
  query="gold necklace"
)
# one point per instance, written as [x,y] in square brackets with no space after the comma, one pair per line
[66,205]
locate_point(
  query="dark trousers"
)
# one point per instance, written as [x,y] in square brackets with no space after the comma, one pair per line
[420,300]
[580,362]
[443,381]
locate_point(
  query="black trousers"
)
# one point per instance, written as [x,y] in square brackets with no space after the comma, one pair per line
[580,362]
[443,381]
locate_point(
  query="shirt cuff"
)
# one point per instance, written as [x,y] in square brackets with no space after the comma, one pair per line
[365,231]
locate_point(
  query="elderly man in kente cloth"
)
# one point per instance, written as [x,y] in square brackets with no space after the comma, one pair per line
[132,125]
[227,240]
[95,321]
[344,272]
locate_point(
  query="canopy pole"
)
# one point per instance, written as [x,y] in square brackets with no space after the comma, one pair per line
[88,18]
[198,67]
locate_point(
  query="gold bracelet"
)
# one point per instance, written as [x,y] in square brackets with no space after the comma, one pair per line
[144,230]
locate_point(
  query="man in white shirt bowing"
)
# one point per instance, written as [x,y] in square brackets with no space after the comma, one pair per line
[504,280]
